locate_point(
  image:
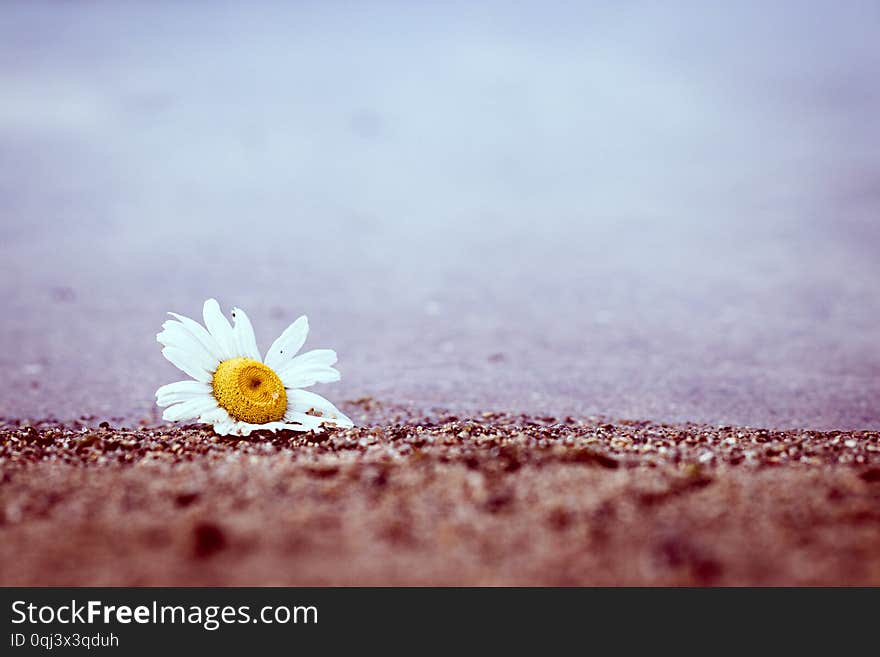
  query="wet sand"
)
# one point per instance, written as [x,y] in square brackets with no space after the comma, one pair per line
[491,500]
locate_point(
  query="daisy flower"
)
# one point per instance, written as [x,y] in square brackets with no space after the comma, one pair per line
[233,388]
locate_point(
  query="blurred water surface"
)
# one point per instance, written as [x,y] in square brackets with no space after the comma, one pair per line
[660,210]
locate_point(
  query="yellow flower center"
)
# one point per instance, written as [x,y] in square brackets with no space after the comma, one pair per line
[249,391]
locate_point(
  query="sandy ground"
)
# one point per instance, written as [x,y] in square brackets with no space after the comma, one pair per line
[627,210]
[495,500]
[637,211]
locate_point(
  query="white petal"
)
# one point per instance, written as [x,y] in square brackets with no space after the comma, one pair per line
[224,427]
[303,377]
[309,377]
[176,336]
[214,415]
[219,328]
[310,368]
[306,422]
[201,334]
[316,357]
[189,410]
[245,428]
[173,393]
[243,332]
[242,429]
[288,343]
[305,401]
[184,361]
[219,418]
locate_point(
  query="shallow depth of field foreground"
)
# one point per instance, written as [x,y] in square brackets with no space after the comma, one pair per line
[495,500]
[602,278]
